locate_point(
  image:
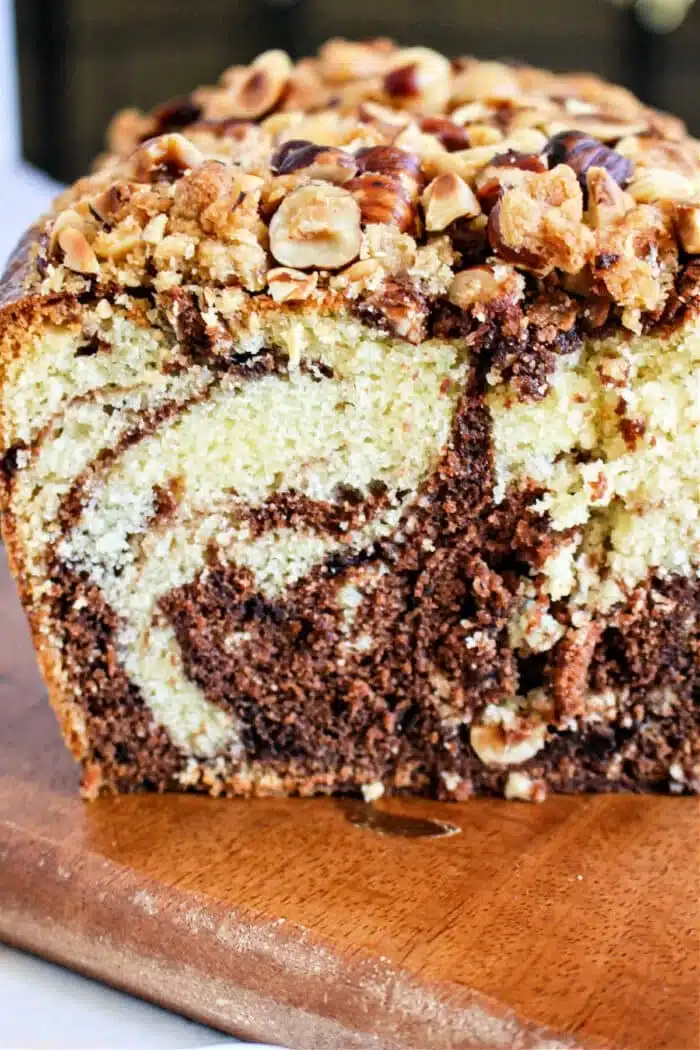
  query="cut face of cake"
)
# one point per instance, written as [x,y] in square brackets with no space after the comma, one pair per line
[350,436]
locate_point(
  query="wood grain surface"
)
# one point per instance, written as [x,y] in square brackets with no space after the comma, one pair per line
[575,923]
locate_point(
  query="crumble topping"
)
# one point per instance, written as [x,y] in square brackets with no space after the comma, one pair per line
[371,164]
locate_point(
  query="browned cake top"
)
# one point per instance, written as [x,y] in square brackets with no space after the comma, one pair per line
[396,178]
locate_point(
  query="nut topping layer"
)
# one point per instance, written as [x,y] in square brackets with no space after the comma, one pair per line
[371,165]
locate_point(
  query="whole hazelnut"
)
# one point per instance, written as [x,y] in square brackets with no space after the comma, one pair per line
[316,226]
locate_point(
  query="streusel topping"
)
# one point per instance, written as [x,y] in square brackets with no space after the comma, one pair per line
[371,168]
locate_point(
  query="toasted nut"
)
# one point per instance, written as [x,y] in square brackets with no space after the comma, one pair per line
[452,136]
[389,160]
[176,114]
[648,151]
[525,140]
[522,787]
[129,128]
[305,89]
[344,60]
[418,79]
[413,140]
[233,129]
[596,127]
[111,204]
[484,135]
[69,217]
[382,199]
[355,279]
[388,185]
[154,230]
[539,225]
[486,285]
[471,113]
[497,745]
[523,161]
[77,253]
[485,80]
[256,90]
[464,162]
[316,226]
[372,792]
[635,260]
[660,184]
[287,285]
[606,200]
[448,198]
[165,157]
[688,226]
[388,120]
[504,171]
[318,162]
[582,152]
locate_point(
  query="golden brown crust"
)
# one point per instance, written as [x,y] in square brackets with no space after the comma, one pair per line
[18,268]
[23,305]
[20,315]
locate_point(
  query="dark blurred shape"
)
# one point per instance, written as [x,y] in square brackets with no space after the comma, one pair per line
[81,60]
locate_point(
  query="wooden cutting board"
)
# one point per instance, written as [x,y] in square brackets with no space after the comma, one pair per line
[575,923]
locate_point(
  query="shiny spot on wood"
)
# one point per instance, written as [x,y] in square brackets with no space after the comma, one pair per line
[364,815]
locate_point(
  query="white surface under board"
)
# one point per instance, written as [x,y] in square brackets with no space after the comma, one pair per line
[44,1007]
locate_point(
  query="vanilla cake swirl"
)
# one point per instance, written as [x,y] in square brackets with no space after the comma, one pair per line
[350,436]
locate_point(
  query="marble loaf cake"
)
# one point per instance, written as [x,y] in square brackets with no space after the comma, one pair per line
[350,436]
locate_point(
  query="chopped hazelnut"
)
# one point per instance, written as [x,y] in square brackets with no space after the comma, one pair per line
[485,285]
[596,127]
[287,285]
[342,61]
[382,199]
[419,79]
[390,160]
[316,226]
[522,787]
[606,200]
[659,184]
[485,80]
[255,90]
[466,163]
[129,128]
[452,136]
[357,278]
[316,162]
[387,120]
[176,114]
[504,171]
[399,308]
[447,198]
[166,156]
[77,253]
[688,226]
[539,225]
[526,140]
[581,152]
[498,745]
[635,259]
[484,135]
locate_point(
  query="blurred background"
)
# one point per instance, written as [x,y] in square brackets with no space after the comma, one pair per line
[80,60]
